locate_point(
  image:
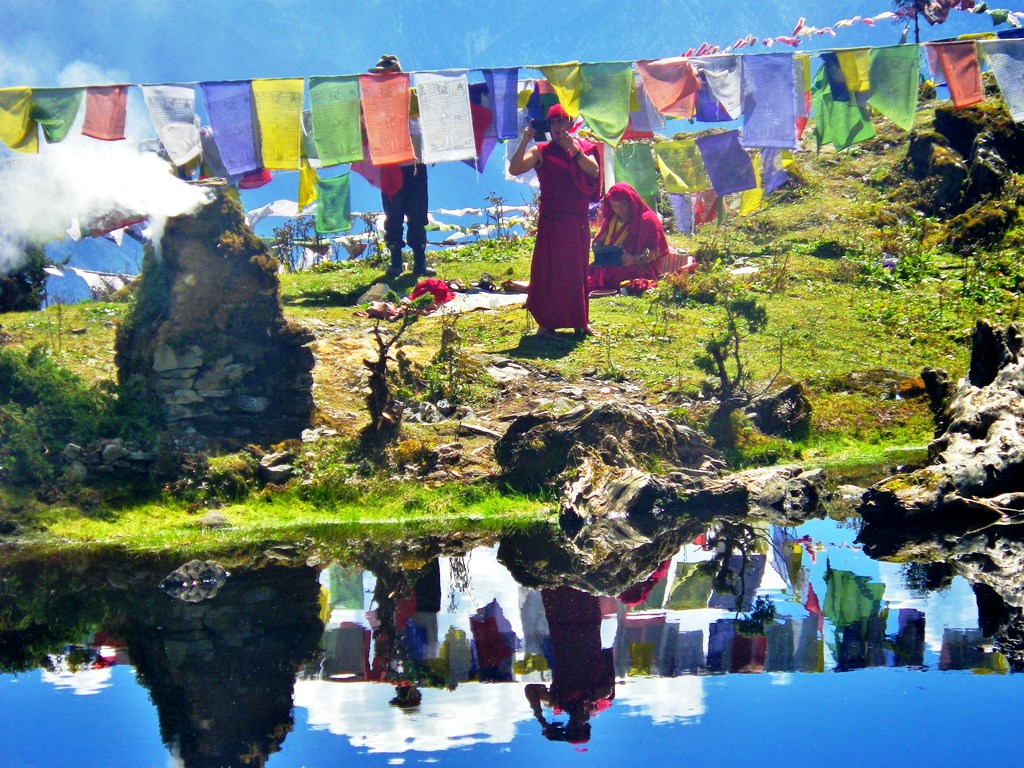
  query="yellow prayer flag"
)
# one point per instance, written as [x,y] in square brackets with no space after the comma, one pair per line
[279,112]
[750,199]
[17,128]
[565,80]
[681,166]
[855,64]
[308,179]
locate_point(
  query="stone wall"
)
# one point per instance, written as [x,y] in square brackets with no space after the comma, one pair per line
[207,341]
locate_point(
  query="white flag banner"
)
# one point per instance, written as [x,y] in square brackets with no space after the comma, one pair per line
[445,117]
[172,108]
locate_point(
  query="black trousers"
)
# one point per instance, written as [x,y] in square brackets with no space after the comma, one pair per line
[408,206]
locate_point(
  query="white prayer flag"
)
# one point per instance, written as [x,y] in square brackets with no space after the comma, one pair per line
[172,108]
[445,117]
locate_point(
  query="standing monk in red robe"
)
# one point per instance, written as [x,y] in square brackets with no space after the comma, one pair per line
[569,174]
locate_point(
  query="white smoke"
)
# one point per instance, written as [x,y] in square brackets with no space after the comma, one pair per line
[40,195]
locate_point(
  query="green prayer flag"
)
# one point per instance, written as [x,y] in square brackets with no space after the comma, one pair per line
[681,166]
[334,114]
[604,98]
[895,72]
[333,207]
[839,123]
[55,109]
[634,165]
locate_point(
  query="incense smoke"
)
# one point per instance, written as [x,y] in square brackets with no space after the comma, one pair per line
[42,195]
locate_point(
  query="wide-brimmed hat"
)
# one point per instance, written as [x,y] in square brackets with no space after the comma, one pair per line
[387,63]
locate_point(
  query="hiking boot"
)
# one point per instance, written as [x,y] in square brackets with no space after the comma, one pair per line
[419,263]
[397,266]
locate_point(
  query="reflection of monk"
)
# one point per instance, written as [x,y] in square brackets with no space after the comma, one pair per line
[582,672]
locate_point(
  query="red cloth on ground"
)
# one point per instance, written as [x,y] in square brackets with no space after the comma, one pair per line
[644,230]
[437,288]
[557,295]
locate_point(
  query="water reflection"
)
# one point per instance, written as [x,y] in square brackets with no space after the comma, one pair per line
[442,649]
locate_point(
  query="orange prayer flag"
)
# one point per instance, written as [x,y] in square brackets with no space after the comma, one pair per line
[959,62]
[106,108]
[671,86]
[386,116]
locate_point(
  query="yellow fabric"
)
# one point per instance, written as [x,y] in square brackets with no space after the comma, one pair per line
[750,199]
[307,183]
[565,80]
[279,112]
[681,166]
[856,66]
[17,128]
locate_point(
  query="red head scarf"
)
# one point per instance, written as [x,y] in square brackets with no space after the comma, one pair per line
[645,229]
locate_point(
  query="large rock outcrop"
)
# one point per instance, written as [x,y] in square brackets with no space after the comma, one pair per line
[976,476]
[207,341]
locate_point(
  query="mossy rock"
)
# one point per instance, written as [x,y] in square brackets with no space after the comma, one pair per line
[982,226]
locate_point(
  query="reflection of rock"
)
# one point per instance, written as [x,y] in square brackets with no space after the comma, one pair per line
[195,581]
[977,474]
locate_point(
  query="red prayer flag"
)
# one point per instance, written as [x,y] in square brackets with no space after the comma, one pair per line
[105,110]
[959,62]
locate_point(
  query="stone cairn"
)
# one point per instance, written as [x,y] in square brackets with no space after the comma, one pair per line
[207,341]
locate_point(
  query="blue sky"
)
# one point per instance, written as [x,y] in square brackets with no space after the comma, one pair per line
[185,41]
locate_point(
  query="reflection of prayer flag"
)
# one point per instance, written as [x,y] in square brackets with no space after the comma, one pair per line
[386,115]
[334,117]
[229,106]
[172,108]
[839,123]
[105,110]
[307,184]
[855,64]
[671,85]
[17,128]
[681,167]
[727,163]
[895,71]
[1007,60]
[958,63]
[279,112]
[55,109]
[445,117]
[722,74]
[769,101]
[634,165]
[333,212]
[565,80]
[502,83]
[604,99]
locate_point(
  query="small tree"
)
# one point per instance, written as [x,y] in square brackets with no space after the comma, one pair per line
[24,290]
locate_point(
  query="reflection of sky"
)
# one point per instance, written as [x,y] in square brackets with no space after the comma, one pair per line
[474,713]
[84,682]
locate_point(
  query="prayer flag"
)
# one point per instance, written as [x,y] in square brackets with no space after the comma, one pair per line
[17,128]
[445,117]
[855,64]
[769,101]
[774,164]
[1006,58]
[334,117]
[229,106]
[604,99]
[727,163]
[671,85]
[682,211]
[333,213]
[708,110]
[634,165]
[681,166]
[307,184]
[839,123]
[750,199]
[958,62]
[279,113]
[172,108]
[645,116]
[502,83]
[55,109]
[483,133]
[386,115]
[565,80]
[895,72]
[834,75]
[106,108]
[722,74]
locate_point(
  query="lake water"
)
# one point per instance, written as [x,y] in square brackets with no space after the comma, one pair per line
[799,651]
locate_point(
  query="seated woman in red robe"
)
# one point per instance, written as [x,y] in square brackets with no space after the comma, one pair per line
[633,238]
